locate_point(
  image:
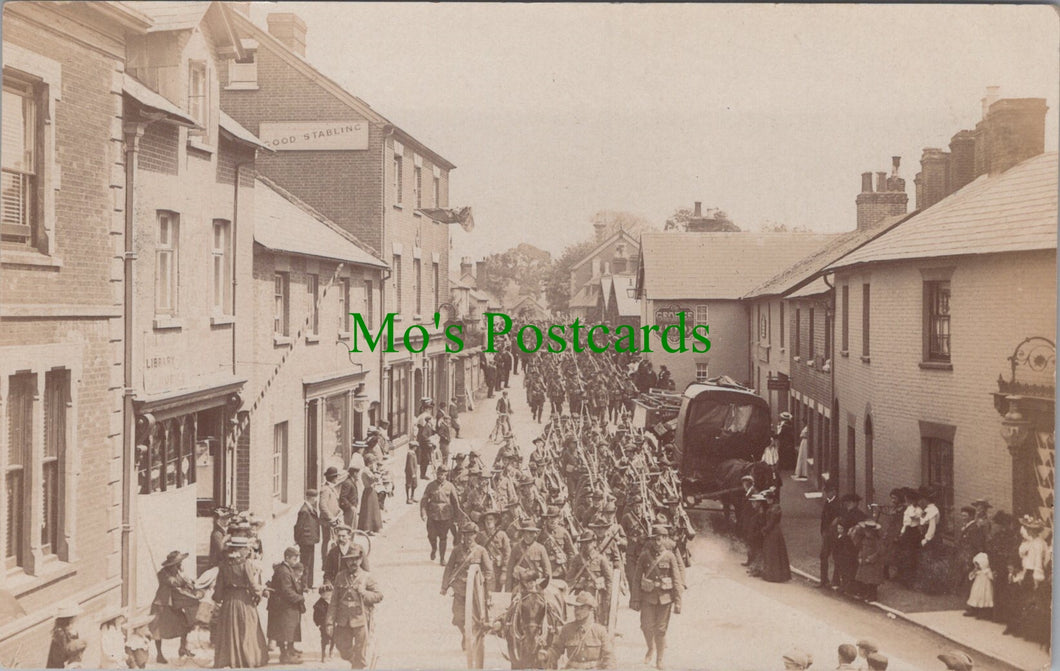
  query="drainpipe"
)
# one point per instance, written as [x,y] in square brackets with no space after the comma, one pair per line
[388,131]
[831,396]
[235,255]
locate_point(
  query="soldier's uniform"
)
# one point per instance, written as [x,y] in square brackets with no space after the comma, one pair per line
[586,644]
[350,610]
[499,546]
[455,575]
[478,497]
[558,544]
[656,591]
[590,571]
[528,562]
[440,504]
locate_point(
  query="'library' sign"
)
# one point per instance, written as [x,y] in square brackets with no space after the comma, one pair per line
[314,135]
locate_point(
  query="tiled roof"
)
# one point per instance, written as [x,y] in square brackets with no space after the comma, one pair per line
[814,288]
[720,266]
[585,298]
[282,224]
[617,235]
[803,270]
[627,305]
[1010,212]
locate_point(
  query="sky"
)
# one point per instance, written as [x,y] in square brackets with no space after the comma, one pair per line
[552,112]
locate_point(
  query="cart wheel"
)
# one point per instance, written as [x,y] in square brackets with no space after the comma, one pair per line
[476,618]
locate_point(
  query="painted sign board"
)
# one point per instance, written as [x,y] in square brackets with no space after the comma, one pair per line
[314,135]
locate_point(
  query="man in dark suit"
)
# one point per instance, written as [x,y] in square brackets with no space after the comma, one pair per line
[829,513]
[307,533]
[219,535]
[350,497]
[285,608]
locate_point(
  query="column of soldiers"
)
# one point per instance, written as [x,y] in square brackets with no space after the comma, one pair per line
[594,509]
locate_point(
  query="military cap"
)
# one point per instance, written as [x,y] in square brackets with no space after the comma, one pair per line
[355,551]
[469,527]
[585,537]
[610,507]
[585,599]
[528,525]
[309,493]
[441,469]
[659,530]
[955,660]
[551,512]
[877,662]
[867,645]
[599,524]
[492,513]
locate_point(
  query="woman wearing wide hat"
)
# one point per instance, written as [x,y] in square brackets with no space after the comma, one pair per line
[175,605]
[240,642]
[66,646]
[1032,584]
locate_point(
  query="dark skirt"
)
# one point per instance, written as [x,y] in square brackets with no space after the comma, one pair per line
[239,642]
[933,569]
[170,622]
[775,564]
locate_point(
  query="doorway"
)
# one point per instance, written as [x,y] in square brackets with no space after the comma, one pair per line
[869,489]
[852,470]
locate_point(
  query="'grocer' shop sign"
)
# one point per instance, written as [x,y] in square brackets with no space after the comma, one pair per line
[314,135]
[668,315]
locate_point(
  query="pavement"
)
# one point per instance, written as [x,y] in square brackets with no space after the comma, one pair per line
[730,621]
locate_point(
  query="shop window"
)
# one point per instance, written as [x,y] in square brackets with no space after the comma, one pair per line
[167,461]
[937,324]
[279,462]
[20,164]
[167,263]
[222,267]
[281,310]
[313,291]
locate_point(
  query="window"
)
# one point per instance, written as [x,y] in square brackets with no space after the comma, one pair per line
[937,296]
[811,345]
[417,286]
[796,341]
[783,326]
[344,305]
[846,318]
[281,310]
[243,74]
[279,462]
[865,320]
[313,290]
[21,390]
[398,178]
[938,470]
[827,335]
[167,461]
[701,314]
[397,283]
[437,286]
[222,267]
[368,303]
[56,402]
[21,137]
[418,185]
[198,101]
[437,191]
[398,404]
[167,261]
[702,372]
[763,324]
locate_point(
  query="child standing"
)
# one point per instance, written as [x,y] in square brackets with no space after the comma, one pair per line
[412,469]
[981,598]
[320,616]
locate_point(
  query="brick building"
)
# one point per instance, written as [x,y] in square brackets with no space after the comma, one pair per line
[62,240]
[935,328]
[191,172]
[368,176]
[706,276]
[614,255]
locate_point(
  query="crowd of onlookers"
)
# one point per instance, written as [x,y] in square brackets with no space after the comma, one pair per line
[866,655]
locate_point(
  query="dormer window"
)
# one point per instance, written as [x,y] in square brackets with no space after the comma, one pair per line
[197,99]
[243,74]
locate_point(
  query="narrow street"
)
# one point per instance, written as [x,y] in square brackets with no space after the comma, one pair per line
[720,598]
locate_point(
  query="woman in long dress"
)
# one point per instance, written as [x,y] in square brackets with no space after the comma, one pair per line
[802,469]
[776,566]
[933,568]
[175,605]
[240,642]
[370,517]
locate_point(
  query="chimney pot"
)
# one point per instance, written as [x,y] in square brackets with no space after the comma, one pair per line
[881,182]
[698,210]
[895,162]
[866,182]
[991,97]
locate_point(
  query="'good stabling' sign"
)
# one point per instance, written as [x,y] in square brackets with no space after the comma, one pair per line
[314,135]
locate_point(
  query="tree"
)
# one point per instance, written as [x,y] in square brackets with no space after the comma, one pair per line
[557,285]
[774,227]
[519,271]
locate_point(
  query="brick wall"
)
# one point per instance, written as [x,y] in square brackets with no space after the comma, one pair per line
[996,302]
[729,340]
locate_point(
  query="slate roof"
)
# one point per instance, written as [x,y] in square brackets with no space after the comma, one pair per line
[283,223]
[1010,212]
[719,266]
[804,270]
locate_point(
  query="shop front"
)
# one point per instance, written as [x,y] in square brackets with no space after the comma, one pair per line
[336,415]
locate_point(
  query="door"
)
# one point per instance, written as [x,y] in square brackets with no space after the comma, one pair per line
[869,489]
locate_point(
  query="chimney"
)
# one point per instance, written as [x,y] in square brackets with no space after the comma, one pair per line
[480,272]
[600,229]
[288,28]
[466,268]
[1012,132]
[962,159]
[991,97]
[888,199]
[697,211]
[934,177]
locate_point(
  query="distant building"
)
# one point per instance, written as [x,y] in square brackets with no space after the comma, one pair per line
[528,308]
[616,254]
[706,276]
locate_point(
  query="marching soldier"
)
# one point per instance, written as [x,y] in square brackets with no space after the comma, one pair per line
[590,572]
[499,546]
[529,561]
[585,643]
[439,506]
[557,542]
[349,617]
[656,592]
[478,497]
[529,497]
[466,553]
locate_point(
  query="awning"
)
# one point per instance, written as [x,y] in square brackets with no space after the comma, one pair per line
[238,133]
[139,92]
[284,224]
[189,399]
[460,216]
